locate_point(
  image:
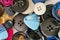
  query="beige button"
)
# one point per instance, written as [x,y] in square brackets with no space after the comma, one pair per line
[30,8]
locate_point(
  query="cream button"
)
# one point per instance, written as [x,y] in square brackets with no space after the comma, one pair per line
[39,8]
[30,8]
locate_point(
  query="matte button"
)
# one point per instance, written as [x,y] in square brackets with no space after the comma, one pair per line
[49,27]
[19,24]
[39,8]
[32,21]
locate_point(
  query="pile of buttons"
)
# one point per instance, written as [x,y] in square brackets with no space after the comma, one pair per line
[29,20]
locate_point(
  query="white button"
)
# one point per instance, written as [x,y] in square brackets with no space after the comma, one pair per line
[30,8]
[39,8]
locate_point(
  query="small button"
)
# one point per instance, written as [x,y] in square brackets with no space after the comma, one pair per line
[39,8]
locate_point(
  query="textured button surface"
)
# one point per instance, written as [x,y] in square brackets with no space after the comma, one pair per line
[20,5]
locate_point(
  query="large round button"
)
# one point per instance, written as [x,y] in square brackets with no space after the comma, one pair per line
[39,8]
[30,9]
[20,5]
[56,11]
[7,2]
[19,24]
[49,27]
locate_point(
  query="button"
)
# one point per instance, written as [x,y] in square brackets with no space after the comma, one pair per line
[48,13]
[32,21]
[7,2]
[36,1]
[56,10]
[20,5]
[51,38]
[3,32]
[19,24]
[48,27]
[30,9]
[34,35]
[19,36]
[39,8]
[8,24]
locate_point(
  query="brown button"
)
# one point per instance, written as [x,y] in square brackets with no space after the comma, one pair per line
[19,36]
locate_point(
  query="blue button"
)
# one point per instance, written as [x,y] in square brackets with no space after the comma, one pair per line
[55,11]
[52,38]
[3,32]
[32,21]
[36,1]
[59,6]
